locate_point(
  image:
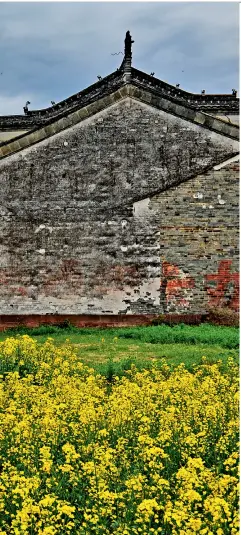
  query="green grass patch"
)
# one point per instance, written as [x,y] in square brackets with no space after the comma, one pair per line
[113,351]
[205,333]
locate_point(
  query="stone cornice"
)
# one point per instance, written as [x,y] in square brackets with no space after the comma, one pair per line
[58,124]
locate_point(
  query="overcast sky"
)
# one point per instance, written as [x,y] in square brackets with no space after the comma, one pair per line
[49,51]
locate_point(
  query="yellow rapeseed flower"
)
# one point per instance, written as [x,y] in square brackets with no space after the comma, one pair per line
[157,452]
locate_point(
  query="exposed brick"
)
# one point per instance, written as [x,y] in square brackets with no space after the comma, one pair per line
[199,242]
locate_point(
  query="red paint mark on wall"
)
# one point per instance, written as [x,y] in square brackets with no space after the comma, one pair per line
[21,291]
[226,290]
[123,274]
[116,277]
[169,270]
[175,287]
[63,278]
[222,287]
[68,267]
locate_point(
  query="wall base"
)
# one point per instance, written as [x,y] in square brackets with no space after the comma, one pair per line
[125,320]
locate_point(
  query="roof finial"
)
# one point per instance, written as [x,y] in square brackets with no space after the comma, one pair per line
[128,43]
[126,64]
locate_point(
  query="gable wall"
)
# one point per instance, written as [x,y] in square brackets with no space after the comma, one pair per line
[77,232]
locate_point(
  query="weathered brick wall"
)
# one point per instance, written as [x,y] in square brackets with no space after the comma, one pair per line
[199,242]
[78,234]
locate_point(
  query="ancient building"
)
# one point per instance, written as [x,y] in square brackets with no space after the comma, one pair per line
[121,201]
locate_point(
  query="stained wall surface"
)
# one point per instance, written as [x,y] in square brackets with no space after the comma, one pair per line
[84,227]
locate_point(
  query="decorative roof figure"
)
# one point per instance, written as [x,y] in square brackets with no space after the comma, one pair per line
[126,63]
[25,108]
[128,43]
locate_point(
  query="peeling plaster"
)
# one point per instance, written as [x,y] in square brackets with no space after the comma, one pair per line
[141,208]
[198,195]
[41,227]
[220,200]
[227,162]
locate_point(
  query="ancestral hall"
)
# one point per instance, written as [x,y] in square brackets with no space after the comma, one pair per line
[120,202]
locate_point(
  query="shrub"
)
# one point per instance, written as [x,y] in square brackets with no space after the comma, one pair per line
[223,316]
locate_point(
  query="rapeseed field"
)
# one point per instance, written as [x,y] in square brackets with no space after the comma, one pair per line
[152,452]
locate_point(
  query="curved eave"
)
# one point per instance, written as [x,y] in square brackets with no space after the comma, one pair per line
[56,125]
[177,92]
[39,117]
[209,103]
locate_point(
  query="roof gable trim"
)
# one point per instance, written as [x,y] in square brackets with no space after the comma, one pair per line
[53,127]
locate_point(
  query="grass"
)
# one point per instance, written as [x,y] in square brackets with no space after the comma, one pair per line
[113,351]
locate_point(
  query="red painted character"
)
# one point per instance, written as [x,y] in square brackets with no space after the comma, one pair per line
[175,285]
[226,291]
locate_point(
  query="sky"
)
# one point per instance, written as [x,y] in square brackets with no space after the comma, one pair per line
[49,51]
